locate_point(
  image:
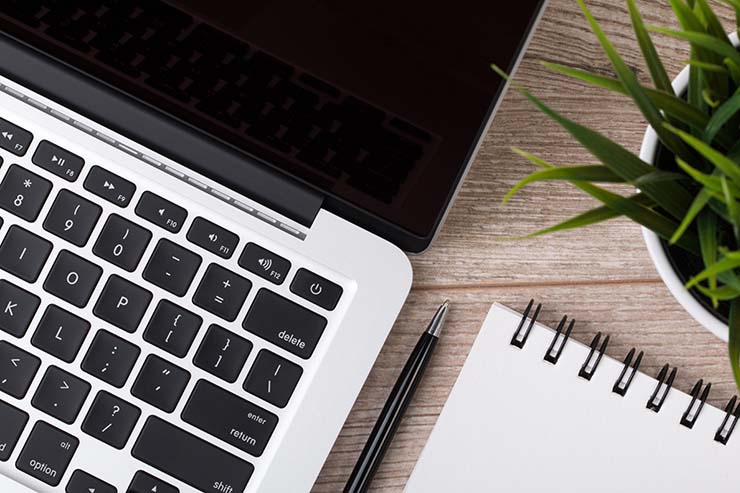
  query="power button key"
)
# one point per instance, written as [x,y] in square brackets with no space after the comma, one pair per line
[316,289]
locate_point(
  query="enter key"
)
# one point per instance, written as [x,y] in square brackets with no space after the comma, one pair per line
[230,418]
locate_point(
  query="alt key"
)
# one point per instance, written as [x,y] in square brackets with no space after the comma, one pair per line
[316,289]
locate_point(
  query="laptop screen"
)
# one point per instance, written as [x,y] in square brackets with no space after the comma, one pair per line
[377,104]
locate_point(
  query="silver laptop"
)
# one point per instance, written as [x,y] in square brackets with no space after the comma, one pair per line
[204,209]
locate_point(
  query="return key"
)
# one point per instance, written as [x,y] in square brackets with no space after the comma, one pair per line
[230,418]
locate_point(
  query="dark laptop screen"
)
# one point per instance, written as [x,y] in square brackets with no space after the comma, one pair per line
[378,104]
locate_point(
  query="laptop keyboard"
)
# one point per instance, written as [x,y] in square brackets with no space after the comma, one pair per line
[248,92]
[214,311]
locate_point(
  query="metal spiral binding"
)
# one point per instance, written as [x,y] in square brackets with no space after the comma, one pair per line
[724,432]
[553,355]
[656,402]
[519,339]
[631,364]
[621,386]
[588,368]
[692,412]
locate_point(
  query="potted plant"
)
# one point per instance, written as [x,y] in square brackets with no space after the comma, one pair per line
[686,180]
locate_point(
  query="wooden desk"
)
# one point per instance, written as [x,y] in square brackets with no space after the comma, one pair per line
[602,275]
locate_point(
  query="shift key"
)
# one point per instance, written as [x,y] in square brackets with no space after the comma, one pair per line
[191,460]
[285,323]
[230,418]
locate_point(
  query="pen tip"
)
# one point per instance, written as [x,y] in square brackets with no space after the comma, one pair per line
[435,326]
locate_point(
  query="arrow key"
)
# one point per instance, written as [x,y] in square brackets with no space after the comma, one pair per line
[146,483]
[61,395]
[82,482]
[17,369]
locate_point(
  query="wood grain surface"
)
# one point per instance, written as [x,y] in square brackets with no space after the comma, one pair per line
[602,276]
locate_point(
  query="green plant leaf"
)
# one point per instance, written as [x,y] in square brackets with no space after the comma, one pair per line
[721,116]
[593,216]
[725,264]
[649,53]
[671,105]
[709,67]
[734,345]
[710,182]
[723,293]
[672,197]
[706,226]
[704,40]
[644,216]
[629,81]
[714,26]
[733,69]
[732,207]
[657,176]
[697,206]
[719,160]
[569,173]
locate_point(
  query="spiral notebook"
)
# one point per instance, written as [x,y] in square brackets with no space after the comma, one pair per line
[533,410]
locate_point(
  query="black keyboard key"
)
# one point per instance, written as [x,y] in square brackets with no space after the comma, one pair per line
[17,370]
[172,328]
[23,193]
[18,309]
[222,292]
[264,263]
[213,238]
[160,383]
[190,459]
[111,420]
[110,358]
[72,218]
[123,304]
[172,267]
[82,482]
[47,453]
[110,187]
[73,279]
[61,395]
[161,212]
[284,323]
[122,243]
[14,421]
[23,254]
[222,353]
[146,483]
[230,418]
[13,138]
[60,333]
[316,289]
[273,378]
[58,161]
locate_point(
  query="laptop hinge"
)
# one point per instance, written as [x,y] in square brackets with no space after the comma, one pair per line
[152,128]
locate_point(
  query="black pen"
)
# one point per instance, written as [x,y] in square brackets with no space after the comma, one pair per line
[396,405]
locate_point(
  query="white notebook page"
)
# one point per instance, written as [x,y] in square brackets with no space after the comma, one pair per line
[516,423]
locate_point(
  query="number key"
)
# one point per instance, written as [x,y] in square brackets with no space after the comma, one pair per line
[122,243]
[23,193]
[72,218]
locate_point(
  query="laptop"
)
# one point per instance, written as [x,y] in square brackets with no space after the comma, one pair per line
[206,211]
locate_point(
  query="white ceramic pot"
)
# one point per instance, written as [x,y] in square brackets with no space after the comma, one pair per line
[657,253]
